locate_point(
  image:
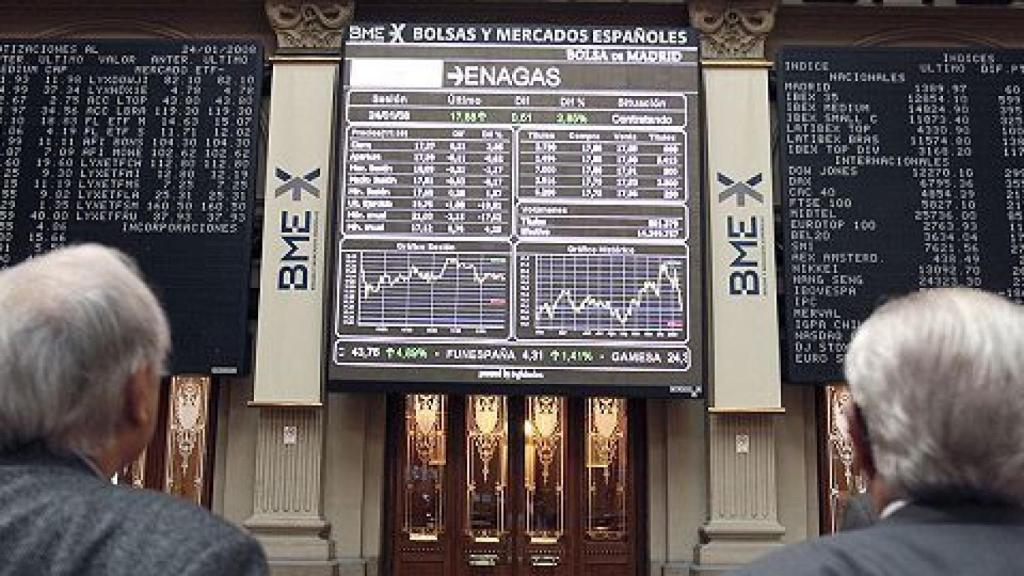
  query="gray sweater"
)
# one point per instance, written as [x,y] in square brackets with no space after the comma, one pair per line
[57,518]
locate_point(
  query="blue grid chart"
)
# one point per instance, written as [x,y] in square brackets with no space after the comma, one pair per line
[622,293]
[433,290]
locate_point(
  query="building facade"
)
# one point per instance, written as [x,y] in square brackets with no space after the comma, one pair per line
[375,483]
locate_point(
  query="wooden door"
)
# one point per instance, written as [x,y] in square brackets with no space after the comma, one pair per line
[488,485]
[418,515]
[179,458]
[611,538]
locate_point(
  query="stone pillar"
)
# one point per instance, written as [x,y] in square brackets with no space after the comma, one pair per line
[288,494]
[288,516]
[742,491]
[742,508]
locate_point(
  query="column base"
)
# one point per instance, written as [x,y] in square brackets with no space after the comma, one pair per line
[298,540]
[675,569]
[708,570]
[357,567]
[340,567]
[728,544]
[300,568]
[690,569]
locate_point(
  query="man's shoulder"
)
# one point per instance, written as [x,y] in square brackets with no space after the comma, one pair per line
[909,547]
[834,555]
[66,488]
[164,515]
[72,513]
[182,537]
[156,521]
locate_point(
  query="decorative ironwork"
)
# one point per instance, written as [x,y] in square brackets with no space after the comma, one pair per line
[486,434]
[839,431]
[486,466]
[428,429]
[424,474]
[186,438]
[545,419]
[188,410]
[844,478]
[545,445]
[604,432]
[606,451]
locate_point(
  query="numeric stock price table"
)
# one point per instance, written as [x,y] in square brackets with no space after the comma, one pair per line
[902,170]
[148,146]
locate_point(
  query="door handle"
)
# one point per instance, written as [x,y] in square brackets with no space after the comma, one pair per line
[483,560]
[544,560]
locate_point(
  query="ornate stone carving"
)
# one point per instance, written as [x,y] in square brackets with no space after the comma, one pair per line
[733,28]
[309,24]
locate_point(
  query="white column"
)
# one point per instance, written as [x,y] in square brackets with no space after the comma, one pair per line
[745,400]
[288,494]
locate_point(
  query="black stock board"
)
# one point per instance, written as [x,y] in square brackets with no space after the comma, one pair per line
[902,169]
[148,146]
[519,208]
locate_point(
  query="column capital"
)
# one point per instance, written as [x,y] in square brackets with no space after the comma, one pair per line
[733,29]
[309,25]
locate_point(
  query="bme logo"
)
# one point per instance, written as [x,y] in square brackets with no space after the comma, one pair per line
[297,232]
[744,234]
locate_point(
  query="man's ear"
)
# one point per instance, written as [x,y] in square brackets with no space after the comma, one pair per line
[863,456]
[138,395]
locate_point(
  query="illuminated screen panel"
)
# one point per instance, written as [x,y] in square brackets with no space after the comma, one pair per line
[903,170]
[519,206]
[149,146]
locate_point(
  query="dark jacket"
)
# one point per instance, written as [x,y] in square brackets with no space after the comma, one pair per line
[959,538]
[58,518]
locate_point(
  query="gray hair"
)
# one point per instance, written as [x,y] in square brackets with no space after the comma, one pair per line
[939,378]
[74,325]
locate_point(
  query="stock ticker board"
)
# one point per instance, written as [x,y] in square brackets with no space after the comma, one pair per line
[148,146]
[519,206]
[901,170]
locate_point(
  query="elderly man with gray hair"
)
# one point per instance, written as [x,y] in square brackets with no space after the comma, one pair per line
[82,347]
[938,382]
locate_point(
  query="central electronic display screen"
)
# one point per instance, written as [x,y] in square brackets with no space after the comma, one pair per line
[519,205]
